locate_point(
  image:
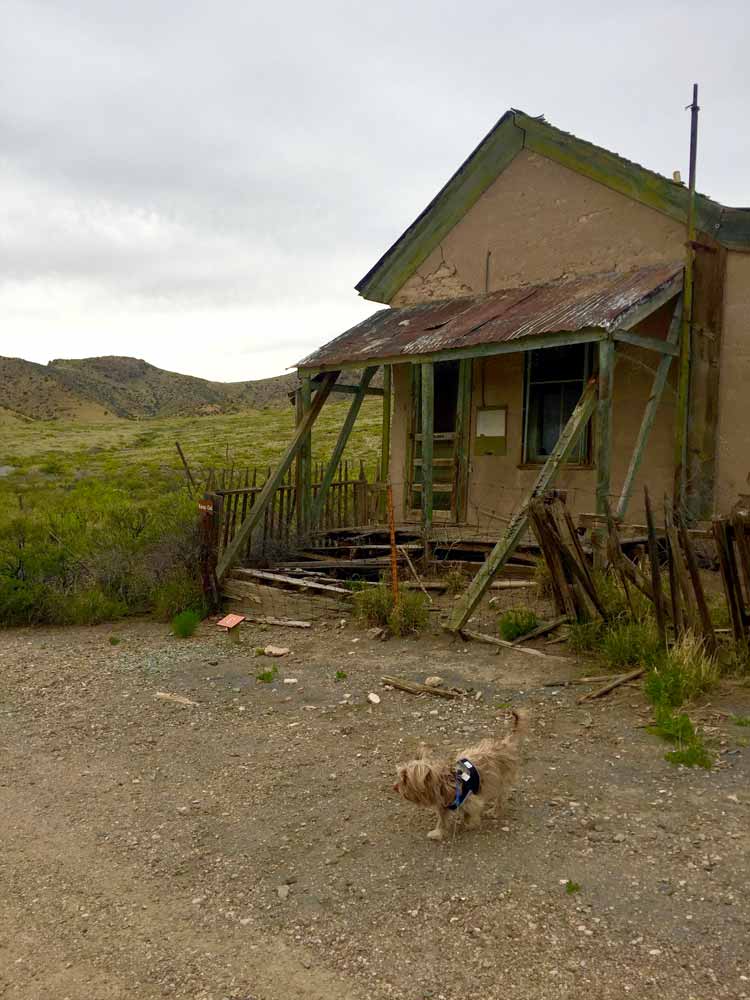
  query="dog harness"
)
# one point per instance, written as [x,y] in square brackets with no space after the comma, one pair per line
[467,781]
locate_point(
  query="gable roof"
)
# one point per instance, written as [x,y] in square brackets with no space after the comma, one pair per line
[516,131]
[482,325]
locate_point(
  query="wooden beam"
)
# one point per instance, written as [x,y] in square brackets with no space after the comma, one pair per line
[519,522]
[385,433]
[533,343]
[463,437]
[428,415]
[637,313]
[604,424]
[649,414]
[301,434]
[649,343]
[352,390]
[318,504]
[304,460]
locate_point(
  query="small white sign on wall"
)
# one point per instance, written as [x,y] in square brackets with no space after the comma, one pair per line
[490,438]
[491,423]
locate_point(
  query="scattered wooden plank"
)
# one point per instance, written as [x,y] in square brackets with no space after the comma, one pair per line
[599,679]
[414,573]
[615,683]
[281,622]
[541,630]
[412,687]
[653,554]
[493,641]
[283,581]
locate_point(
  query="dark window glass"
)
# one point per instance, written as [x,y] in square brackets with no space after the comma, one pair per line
[555,378]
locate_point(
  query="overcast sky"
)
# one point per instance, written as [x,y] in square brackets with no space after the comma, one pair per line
[201,184]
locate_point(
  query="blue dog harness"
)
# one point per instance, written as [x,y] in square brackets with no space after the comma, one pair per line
[467,781]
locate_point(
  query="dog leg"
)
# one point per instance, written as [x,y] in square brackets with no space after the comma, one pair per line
[442,825]
[473,812]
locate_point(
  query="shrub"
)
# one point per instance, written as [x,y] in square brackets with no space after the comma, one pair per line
[455,582]
[517,622]
[683,674]
[585,637]
[181,591]
[373,605]
[410,615]
[678,729]
[630,643]
[185,623]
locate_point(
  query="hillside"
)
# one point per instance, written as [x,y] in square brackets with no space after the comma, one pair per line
[95,388]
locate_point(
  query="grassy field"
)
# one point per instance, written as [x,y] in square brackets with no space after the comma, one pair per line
[95,520]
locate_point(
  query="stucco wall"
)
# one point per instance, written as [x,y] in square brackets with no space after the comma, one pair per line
[498,483]
[541,221]
[733,467]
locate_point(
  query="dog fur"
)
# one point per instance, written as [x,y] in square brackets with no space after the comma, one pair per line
[431,783]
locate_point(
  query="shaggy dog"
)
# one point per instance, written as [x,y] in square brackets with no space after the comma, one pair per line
[432,783]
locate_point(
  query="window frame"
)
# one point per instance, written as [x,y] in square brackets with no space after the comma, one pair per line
[583,457]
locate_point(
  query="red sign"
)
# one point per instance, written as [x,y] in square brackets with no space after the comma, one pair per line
[207,506]
[230,621]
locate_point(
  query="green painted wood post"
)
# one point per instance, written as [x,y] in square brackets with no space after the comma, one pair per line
[318,504]
[649,414]
[276,478]
[385,437]
[519,522]
[428,408]
[604,424]
[463,438]
[304,499]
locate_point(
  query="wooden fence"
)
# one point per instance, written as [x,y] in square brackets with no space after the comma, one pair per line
[352,501]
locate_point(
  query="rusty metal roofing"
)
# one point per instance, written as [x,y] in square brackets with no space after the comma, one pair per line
[599,301]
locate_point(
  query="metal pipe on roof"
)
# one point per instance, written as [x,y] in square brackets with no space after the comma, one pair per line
[683,391]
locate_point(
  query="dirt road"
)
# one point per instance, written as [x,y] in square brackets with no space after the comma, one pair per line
[250,846]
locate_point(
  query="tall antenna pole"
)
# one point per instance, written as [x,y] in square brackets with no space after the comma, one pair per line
[683,388]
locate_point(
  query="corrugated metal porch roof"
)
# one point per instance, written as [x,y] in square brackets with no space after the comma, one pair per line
[597,301]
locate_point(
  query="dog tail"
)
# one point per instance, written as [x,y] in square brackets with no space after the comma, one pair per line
[520,726]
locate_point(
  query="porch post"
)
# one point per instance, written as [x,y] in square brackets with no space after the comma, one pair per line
[317,505]
[649,414]
[385,436]
[604,424]
[463,434]
[428,409]
[304,462]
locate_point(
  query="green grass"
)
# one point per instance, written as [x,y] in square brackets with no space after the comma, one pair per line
[374,606]
[517,622]
[267,676]
[631,644]
[741,720]
[340,675]
[95,521]
[185,623]
[571,888]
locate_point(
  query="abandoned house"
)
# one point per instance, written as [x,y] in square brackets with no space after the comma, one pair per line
[557,315]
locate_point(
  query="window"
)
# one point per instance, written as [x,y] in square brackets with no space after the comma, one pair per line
[554,380]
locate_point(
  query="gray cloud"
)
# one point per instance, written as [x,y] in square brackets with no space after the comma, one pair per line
[167,165]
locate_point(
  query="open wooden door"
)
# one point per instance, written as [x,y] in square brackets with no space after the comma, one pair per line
[450,441]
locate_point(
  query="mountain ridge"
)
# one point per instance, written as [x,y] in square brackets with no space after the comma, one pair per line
[131,388]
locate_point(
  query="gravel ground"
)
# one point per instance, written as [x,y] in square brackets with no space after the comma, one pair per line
[250,846]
